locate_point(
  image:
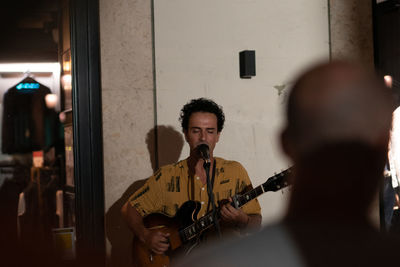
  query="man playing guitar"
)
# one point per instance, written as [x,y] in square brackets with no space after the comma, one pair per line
[172,185]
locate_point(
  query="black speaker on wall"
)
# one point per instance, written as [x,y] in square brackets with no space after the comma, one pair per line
[247,63]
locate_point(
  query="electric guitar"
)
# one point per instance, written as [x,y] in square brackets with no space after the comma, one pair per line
[184,227]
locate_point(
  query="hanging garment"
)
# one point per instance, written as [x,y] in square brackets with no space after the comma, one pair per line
[25,117]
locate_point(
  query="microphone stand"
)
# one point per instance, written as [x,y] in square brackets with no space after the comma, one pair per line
[206,166]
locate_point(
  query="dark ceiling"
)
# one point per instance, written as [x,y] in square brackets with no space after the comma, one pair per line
[29,31]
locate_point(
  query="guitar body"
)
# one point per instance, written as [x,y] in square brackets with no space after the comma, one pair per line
[184,226]
[185,216]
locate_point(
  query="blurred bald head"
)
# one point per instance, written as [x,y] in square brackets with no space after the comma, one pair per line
[335,102]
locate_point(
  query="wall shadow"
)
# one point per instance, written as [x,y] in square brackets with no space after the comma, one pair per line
[165,149]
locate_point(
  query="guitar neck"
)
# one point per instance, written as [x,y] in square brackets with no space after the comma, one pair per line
[274,183]
[240,200]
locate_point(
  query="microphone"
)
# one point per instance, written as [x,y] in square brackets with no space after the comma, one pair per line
[204,152]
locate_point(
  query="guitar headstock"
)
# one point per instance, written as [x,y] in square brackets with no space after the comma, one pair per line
[278,181]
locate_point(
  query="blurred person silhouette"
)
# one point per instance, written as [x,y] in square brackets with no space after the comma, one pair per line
[390,191]
[338,121]
[391,188]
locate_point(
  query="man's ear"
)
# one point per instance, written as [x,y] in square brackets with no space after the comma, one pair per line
[218,134]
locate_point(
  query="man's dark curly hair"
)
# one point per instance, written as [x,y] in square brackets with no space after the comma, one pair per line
[201,105]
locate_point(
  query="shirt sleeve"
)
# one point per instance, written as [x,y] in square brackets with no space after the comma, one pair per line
[149,198]
[253,206]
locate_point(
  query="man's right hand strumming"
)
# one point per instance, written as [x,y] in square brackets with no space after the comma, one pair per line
[156,241]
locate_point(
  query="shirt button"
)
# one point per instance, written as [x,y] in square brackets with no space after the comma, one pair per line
[202,203]
[197,178]
[202,188]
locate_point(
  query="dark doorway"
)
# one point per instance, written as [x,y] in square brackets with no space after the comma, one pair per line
[64,32]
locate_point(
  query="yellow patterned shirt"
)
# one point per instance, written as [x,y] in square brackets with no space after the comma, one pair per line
[171,186]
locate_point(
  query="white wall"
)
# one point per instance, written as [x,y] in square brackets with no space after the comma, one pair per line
[197,45]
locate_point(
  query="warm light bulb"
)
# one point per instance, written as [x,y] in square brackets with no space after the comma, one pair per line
[51,100]
[67,81]
[388,80]
[67,66]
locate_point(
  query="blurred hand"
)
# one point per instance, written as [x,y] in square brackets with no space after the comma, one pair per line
[157,241]
[233,216]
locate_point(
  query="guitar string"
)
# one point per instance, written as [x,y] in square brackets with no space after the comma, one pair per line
[243,199]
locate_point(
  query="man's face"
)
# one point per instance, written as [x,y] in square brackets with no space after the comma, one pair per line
[202,129]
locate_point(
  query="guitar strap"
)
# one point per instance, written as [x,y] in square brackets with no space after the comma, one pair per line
[212,183]
[197,240]
[191,183]
[201,238]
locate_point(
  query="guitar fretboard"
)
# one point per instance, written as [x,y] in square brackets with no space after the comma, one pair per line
[274,183]
[250,195]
